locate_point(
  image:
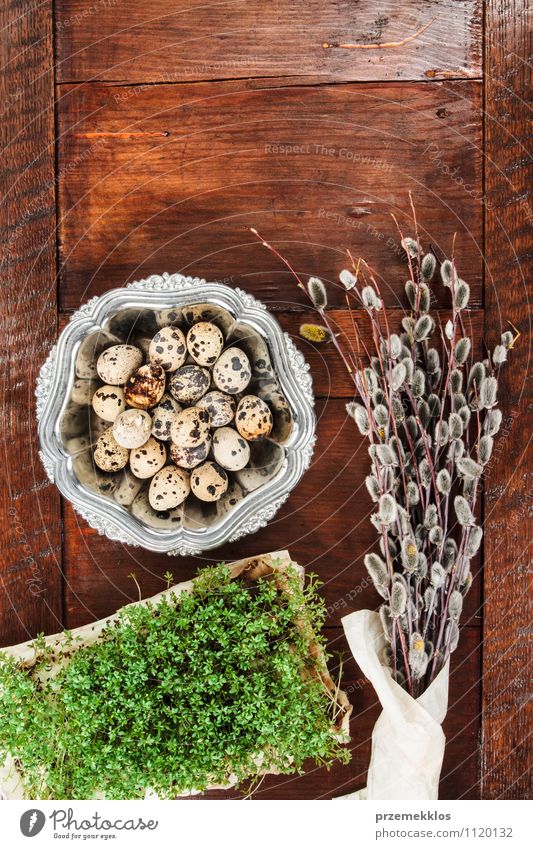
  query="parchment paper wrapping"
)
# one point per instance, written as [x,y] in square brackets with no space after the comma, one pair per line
[407,740]
[273,564]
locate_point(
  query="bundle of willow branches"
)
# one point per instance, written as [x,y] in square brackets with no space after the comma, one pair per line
[428,411]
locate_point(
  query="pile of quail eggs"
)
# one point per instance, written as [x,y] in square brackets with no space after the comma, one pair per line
[181,420]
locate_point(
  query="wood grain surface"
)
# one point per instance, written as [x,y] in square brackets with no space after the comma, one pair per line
[172,177]
[30,534]
[124,40]
[180,126]
[507,765]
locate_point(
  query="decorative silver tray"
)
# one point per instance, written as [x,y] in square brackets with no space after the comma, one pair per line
[134,313]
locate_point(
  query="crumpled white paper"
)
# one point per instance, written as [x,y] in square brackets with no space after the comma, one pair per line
[407,740]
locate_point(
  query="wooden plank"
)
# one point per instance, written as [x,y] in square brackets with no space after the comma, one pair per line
[30,538]
[185,41]
[171,177]
[325,525]
[507,762]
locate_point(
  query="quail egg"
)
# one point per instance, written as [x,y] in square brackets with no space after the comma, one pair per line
[163,416]
[221,407]
[132,428]
[116,364]
[169,487]
[253,418]
[128,487]
[204,343]
[230,450]
[168,348]
[108,454]
[188,458]
[148,459]
[230,498]
[190,427]
[189,383]
[145,387]
[108,401]
[232,371]
[209,481]
[83,390]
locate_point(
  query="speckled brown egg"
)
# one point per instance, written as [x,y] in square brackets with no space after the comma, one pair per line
[209,481]
[190,427]
[145,387]
[108,454]
[230,498]
[163,415]
[253,418]
[116,364]
[132,428]
[221,407]
[189,383]
[83,390]
[230,450]
[168,348]
[169,487]
[232,371]
[108,402]
[148,459]
[204,343]
[165,519]
[189,458]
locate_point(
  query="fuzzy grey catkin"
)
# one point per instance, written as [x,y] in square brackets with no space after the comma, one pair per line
[387,509]
[386,621]
[465,416]
[413,494]
[398,599]
[462,295]
[437,575]
[372,487]
[395,346]
[487,392]
[455,426]
[410,246]
[492,423]
[397,377]
[317,293]
[427,266]
[381,415]
[474,541]
[446,272]
[486,444]
[423,327]
[409,554]
[499,355]
[419,382]
[347,279]
[468,468]
[444,481]
[424,471]
[360,416]
[370,298]
[436,535]
[377,569]
[433,360]
[385,455]
[424,298]
[456,380]
[430,516]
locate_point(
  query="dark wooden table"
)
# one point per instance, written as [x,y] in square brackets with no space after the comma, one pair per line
[142,137]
